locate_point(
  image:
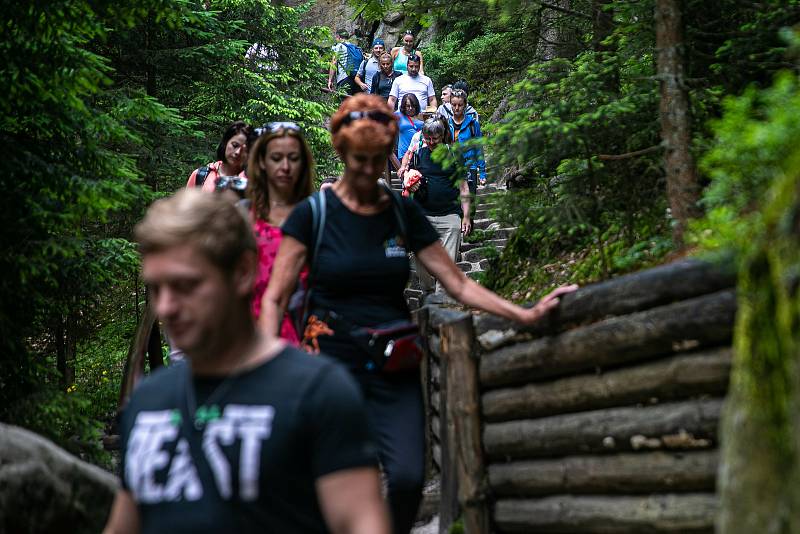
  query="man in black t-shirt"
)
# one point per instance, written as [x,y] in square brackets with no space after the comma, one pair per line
[248,435]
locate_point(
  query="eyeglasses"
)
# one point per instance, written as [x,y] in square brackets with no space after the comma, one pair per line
[272,127]
[235,183]
[379,116]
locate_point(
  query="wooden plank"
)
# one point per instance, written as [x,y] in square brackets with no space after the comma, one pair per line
[463,410]
[448,504]
[681,280]
[684,514]
[685,375]
[680,425]
[701,322]
[627,473]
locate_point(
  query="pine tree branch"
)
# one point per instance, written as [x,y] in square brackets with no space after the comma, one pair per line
[636,153]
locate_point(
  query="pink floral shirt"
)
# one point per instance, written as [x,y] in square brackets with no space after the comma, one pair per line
[268,239]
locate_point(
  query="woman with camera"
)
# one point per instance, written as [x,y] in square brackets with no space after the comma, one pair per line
[231,158]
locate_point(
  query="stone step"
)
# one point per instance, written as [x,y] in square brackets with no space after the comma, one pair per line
[476,254]
[503,233]
[497,243]
[483,224]
[414,293]
[465,266]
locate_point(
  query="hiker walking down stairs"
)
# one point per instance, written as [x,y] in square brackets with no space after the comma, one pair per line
[400,54]
[413,82]
[464,127]
[347,57]
[231,158]
[360,267]
[370,66]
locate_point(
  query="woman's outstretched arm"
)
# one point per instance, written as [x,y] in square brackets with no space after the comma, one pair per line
[467,291]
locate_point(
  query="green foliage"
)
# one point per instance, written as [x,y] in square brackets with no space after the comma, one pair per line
[108,106]
[751,148]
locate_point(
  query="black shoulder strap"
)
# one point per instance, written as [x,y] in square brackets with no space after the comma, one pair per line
[399,212]
[202,174]
[318,215]
[473,128]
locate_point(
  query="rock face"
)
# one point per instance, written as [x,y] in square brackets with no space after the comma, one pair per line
[44,489]
[336,14]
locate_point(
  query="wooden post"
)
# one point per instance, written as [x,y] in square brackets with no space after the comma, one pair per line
[448,498]
[463,410]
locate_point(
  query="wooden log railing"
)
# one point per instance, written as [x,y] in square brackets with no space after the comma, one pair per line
[602,419]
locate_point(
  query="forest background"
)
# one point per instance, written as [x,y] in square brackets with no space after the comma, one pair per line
[109,105]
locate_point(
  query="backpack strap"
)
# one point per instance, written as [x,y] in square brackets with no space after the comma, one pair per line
[318,216]
[399,212]
[202,174]
[473,129]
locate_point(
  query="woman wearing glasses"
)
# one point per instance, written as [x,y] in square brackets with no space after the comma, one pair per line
[281,173]
[361,270]
[231,158]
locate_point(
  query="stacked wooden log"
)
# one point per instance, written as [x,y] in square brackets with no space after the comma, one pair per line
[605,419]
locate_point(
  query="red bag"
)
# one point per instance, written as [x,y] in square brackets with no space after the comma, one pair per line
[393,348]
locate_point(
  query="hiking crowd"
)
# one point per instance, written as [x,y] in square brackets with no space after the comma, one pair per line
[295,379]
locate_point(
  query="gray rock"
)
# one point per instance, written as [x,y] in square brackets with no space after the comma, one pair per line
[45,489]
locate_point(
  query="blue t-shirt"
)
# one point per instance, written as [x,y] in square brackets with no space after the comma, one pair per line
[408,127]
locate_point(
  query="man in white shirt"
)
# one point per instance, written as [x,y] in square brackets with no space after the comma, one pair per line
[413,82]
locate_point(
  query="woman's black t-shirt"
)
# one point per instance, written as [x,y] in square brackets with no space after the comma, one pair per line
[362,266]
[443,194]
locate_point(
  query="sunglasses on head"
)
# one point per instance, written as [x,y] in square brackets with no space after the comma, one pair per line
[378,116]
[458,93]
[272,127]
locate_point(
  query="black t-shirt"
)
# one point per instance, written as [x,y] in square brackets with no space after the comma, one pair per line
[443,196]
[382,84]
[362,267]
[280,426]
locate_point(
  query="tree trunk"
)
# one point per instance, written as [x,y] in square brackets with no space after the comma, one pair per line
[683,190]
[61,351]
[759,477]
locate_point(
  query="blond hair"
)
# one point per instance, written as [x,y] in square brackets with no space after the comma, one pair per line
[211,222]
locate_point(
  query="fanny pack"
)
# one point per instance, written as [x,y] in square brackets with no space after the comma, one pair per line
[391,347]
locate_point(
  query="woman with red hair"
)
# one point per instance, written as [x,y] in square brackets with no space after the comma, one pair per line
[360,271]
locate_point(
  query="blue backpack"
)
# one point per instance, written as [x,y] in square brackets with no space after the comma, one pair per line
[354,59]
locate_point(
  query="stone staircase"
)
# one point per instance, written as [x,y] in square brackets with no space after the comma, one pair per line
[473,257]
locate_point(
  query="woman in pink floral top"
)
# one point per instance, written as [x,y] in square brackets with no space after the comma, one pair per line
[281,173]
